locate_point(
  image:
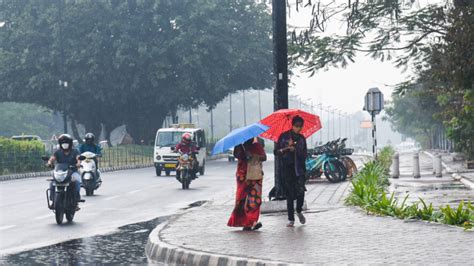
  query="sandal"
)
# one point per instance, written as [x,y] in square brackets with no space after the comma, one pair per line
[257,226]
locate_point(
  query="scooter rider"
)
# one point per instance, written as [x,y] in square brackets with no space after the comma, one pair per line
[187,146]
[68,155]
[90,146]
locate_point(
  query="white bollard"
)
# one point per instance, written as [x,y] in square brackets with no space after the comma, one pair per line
[434,163]
[395,166]
[416,166]
[438,166]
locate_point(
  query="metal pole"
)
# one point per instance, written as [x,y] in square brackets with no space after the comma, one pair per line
[230,112]
[280,70]
[212,125]
[259,106]
[334,123]
[190,116]
[328,124]
[245,108]
[374,136]
[340,124]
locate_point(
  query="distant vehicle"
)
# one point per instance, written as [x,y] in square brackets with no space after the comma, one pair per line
[408,146]
[26,137]
[230,155]
[165,158]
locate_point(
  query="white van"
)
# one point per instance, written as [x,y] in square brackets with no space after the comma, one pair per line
[165,158]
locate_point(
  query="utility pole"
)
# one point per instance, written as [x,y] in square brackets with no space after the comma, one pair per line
[190,116]
[321,119]
[280,70]
[62,83]
[230,112]
[334,123]
[245,108]
[212,125]
[328,123]
[340,123]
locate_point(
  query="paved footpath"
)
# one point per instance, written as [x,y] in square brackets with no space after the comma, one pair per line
[334,234]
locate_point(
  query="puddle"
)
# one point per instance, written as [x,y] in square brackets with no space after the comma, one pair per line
[124,246]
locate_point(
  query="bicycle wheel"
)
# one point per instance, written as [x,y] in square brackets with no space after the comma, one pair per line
[350,166]
[332,171]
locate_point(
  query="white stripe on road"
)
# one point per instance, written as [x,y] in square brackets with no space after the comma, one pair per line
[43,217]
[134,191]
[6,227]
[111,198]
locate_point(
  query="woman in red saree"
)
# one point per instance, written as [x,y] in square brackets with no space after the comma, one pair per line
[249,192]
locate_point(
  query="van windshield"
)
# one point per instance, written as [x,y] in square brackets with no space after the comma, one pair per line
[168,139]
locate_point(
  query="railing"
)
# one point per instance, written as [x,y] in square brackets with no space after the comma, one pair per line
[16,161]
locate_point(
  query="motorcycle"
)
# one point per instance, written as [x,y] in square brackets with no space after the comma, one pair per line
[63,202]
[185,168]
[89,174]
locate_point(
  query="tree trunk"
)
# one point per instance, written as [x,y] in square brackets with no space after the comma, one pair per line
[75,131]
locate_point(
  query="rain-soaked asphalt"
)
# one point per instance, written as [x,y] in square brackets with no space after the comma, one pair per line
[124,246]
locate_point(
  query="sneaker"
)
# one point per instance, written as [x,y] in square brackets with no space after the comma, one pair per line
[290,224]
[301,217]
[257,226]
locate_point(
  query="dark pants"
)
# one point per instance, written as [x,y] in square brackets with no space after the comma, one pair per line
[290,204]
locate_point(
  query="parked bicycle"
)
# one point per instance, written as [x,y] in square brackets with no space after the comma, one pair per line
[331,159]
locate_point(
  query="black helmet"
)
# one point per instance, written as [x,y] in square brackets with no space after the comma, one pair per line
[89,138]
[65,139]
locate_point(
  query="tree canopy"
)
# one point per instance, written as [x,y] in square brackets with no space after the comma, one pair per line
[131,62]
[435,40]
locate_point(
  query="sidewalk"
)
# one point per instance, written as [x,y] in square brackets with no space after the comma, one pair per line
[437,190]
[456,168]
[334,234]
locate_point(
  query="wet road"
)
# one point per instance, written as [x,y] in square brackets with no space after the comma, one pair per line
[126,197]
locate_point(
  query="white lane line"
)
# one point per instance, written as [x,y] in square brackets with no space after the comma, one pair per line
[7,227]
[134,191]
[43,217]
[111,198]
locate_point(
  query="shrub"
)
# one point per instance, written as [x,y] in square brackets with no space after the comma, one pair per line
[369,191]
[20,156]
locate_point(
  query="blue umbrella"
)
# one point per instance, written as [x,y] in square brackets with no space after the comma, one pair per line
[238,136]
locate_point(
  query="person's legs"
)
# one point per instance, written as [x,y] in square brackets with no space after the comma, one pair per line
[290,205]
[299,203]
[76,179]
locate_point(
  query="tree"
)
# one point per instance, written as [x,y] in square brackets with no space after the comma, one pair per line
[435,40]
[132,62]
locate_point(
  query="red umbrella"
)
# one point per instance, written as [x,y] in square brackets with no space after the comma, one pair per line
[280,121]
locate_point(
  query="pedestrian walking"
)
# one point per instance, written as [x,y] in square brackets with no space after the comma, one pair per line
[291,150]
[249,176]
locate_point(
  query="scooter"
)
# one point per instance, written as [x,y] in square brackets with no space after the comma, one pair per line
[63,202]
[89,173]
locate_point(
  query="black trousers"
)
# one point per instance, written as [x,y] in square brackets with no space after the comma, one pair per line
[290,205]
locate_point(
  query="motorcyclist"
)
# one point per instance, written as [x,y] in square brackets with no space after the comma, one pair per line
[186,146]
[67,154]
[90,146]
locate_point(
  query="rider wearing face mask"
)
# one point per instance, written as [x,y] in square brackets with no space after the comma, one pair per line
[67,154]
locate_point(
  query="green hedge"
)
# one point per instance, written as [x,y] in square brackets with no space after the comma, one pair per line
[20,156]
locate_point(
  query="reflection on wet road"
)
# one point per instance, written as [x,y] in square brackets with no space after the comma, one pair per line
[125,246]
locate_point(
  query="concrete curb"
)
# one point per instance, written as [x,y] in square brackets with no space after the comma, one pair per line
[158,251]
[454,174]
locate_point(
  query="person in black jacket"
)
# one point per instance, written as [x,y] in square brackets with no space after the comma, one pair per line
[291,150]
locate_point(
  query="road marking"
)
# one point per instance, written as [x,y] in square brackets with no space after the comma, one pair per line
[6,227]
[134,191]
[43,217]
[111,198]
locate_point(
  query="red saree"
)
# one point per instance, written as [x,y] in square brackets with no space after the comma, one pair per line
[249,193]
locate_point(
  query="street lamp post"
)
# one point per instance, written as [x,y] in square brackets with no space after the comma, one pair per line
[373,105]
[64,84]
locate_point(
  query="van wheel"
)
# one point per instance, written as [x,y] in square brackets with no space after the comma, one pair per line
[202,168]
[158,171]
